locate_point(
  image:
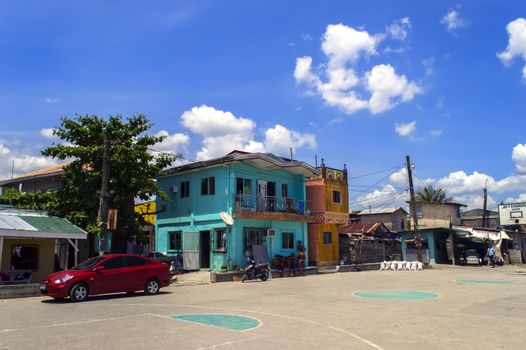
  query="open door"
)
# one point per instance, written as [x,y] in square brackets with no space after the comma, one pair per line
[204,249]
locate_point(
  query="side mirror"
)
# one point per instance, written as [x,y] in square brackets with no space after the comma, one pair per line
[98,268]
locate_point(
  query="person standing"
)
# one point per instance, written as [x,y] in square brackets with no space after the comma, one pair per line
[490,253]
[301,256]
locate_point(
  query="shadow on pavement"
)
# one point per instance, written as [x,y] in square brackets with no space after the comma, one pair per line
[104,297]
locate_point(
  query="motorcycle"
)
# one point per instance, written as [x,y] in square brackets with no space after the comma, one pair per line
[254,271]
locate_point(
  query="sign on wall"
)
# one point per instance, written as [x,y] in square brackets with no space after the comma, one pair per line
[512,213]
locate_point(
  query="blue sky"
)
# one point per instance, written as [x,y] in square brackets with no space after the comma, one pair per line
[361,83]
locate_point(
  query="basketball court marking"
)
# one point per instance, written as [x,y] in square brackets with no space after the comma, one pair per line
[396,295]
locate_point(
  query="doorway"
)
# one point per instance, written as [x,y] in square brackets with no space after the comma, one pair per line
[204,249]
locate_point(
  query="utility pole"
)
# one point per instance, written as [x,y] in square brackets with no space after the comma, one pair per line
[484,213]
[412,210]
[102,218]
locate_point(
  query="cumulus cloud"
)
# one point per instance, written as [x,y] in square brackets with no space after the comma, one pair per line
[224,132]
[51,100]
[387,196]
[436,133]
[516,43]
[341,85]
[453,20]
[47,133]
[518,156]
[23,161]
[173,143]
[405,129]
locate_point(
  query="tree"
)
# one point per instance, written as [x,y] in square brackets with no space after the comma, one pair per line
[132,171]
[429,194]
[40,200]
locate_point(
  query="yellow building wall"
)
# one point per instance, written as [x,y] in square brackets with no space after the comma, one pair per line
[46,255]
[343,206]
[323,254]
[148,207]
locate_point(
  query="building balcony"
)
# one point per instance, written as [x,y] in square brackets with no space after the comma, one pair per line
[272,208]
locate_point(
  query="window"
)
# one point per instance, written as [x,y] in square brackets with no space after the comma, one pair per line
[284,190]
[185,189]
[114,263]
[135,261]
[243,186]
[220,239]
[336,197]
[208,186]
[24,258]
[175,241]
[327,237]
[252,237]
[287,240]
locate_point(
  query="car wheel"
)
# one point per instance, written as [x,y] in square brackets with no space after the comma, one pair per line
[79,292]
[152,287]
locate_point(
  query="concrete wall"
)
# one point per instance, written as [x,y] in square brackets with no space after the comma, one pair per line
[46,254]
[436,215]
[393,221]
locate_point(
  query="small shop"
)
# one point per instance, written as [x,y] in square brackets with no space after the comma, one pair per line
[30,245]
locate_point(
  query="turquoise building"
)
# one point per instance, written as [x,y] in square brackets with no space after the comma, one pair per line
[263,194]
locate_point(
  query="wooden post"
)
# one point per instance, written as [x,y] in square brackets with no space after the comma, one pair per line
[1,250]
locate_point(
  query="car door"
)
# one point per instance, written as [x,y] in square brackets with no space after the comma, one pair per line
[135,273]
[110,278]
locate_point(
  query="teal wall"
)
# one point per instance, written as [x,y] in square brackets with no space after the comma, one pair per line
[201,213]
[429,236]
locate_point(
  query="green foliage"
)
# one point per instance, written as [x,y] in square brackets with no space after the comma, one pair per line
[132,168]
[429,194]
[42,200]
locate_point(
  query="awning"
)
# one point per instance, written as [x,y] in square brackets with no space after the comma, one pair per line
[478,234]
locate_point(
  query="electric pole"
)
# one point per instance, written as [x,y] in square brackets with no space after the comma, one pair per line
[412,210]
[484,213]
[102,218]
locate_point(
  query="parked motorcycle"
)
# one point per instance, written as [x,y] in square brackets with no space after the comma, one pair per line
[254,271]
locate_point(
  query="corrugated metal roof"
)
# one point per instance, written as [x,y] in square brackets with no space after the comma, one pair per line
[14,222]
[30,221]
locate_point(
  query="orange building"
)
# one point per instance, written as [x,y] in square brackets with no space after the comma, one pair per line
[330,197]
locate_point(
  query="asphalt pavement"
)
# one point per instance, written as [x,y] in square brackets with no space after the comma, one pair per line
[445,308]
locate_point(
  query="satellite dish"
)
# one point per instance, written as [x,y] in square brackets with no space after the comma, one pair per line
[226,218]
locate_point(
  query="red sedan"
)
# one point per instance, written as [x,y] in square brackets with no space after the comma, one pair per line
[107,274]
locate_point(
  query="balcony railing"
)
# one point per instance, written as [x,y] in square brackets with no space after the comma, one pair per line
[265,204]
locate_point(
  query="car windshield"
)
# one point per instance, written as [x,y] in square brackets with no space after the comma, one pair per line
[88,263]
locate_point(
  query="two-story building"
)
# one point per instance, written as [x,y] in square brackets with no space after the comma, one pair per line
[219,209]
[329,195]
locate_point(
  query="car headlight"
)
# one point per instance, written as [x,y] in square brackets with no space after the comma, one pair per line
[63,279]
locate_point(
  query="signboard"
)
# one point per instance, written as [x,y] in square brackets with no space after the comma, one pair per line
[512,214]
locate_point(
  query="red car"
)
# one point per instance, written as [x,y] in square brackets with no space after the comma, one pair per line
[107,274]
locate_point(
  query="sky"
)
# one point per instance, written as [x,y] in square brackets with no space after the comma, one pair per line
[361,83]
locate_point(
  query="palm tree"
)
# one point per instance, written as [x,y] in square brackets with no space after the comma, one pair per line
[429,194]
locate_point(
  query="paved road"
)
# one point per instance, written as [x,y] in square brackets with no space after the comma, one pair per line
[487,309]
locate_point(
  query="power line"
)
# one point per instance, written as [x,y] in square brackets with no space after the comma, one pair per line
[374,173]
[376,183]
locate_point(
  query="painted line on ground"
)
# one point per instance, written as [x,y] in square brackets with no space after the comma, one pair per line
[183,317]
[71,323]
[337,329]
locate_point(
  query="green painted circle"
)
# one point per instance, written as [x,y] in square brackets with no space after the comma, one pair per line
[232,322]
[397,295]
[483,281]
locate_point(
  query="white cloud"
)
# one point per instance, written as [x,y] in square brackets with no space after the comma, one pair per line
[453,20]
[429,65]
[518,156]
[399,28]
[172,143]
[47,133]
[387,196]
[306,37]
[343,86]
[224,132]
[23,161]
[436,133]
[405,129]
[209,121]
[386,86]
[279,139]
[51,100]
[516,43]
[342,44]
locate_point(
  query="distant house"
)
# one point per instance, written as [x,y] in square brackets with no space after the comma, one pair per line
[393,218]
[223,210]
[329,195]
[437,215]
[38,180]
[474,218]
